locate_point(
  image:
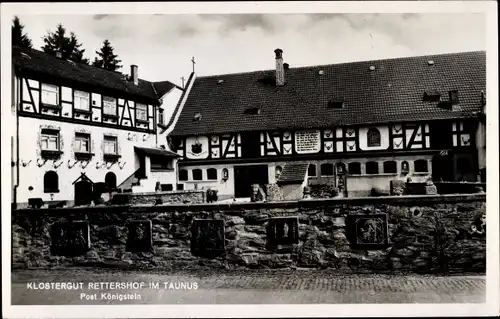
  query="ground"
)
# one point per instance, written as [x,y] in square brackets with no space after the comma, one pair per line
[247,287]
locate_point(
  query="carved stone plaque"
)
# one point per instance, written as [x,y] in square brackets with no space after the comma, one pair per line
[367,231]
[282,231]
[207,237]
[140,238]
[70,238]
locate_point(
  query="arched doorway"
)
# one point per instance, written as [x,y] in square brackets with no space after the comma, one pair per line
[110,181]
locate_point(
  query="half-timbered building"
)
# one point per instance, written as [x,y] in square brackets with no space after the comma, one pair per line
[358,125]
[81,130]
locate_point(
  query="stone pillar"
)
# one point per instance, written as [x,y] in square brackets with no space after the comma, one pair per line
[307,192]
[430,188]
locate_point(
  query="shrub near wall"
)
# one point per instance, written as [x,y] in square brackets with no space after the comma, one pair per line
[426,234]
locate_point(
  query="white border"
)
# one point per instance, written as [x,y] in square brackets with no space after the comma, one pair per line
[491,307]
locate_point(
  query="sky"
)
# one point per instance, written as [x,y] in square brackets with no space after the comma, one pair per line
[163,45]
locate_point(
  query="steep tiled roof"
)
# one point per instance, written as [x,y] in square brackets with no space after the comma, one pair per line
[155,152]
[293,172]
[393,91]
[46,64]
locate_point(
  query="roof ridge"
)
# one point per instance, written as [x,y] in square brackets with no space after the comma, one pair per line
[78,63]
[344,63]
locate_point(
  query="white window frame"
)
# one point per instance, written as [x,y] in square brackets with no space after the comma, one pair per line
[79,138]
[46,138]
[108,103]
[141,109]
[81,100]
[50,94]
[107,141]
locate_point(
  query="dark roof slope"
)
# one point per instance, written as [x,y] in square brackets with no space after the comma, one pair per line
[392,92]
[293,172]
[43,63]
[164,87]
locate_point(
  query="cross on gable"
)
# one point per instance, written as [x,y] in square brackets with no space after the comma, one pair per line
[192,60]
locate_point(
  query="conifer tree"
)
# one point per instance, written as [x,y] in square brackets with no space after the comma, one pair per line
[18,38]
[106,58]
[69,47]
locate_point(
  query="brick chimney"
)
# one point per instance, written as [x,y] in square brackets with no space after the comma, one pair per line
[134,74]
[280,74]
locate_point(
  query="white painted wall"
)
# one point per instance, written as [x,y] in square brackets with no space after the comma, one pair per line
[30,150]
[384,138]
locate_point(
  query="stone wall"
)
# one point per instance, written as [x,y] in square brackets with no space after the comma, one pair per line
[174,197]
[425,234]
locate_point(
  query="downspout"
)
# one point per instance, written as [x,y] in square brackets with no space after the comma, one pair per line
[156,114]
[17,144]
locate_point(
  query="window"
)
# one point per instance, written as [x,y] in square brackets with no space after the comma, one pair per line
[110,145]
[109,105]
[82,143]
[110,180]
[373,137]
[197,174]
[141,112]
[390,167]
[50,140]
[180,187]
[311,170]
[327,169]
[51,182]
[212,173]
[183,175]
[82,100]
[421,166]
[372,168]
[161,118]
[50,94]
[354,168]
[160,163]
[454,97]
[167,187]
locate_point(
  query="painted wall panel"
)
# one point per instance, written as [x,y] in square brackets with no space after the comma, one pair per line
[66,94]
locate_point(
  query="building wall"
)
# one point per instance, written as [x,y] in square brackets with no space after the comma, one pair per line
[67,168]
[357,185]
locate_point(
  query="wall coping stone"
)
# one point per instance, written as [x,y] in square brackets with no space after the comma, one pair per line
[408,200]
[161,193]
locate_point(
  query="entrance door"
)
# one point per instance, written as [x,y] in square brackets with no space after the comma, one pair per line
[442,168]
[83,193]
[245,176]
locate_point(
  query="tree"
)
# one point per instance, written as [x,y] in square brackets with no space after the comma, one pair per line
[18,38]
[106,58]
[69,47]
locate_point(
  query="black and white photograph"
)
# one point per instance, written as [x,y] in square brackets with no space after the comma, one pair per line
[200,158]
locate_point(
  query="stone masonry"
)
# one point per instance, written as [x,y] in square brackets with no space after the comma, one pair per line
[427,234]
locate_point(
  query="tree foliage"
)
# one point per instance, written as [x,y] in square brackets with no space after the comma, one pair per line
[18,38]
[68,46]
[106,58]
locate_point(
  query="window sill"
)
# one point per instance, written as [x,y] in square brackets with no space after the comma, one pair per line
[111,157]
[84,112]
[110,116]
[137,121]
[51,153]
[51,106]
[50,191]
[83,155]
[162,170]
[373,175]
[421,173]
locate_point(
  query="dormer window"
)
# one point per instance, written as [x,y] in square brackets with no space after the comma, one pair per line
[253,110]
[453,97]
[197,117]
[335,104]
[432,96]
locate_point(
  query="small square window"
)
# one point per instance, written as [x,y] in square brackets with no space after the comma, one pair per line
[50,94]
[110,145]
[141,112]
[212,174]
[50,140]
[372,168]
[327,169]
[354,168]
[82,100]
[109,105]
[311,170]
[82,143]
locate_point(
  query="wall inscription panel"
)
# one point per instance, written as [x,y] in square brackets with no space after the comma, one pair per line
[367,231]
[307,142]
[140,238]
[70,238]
[207,237]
